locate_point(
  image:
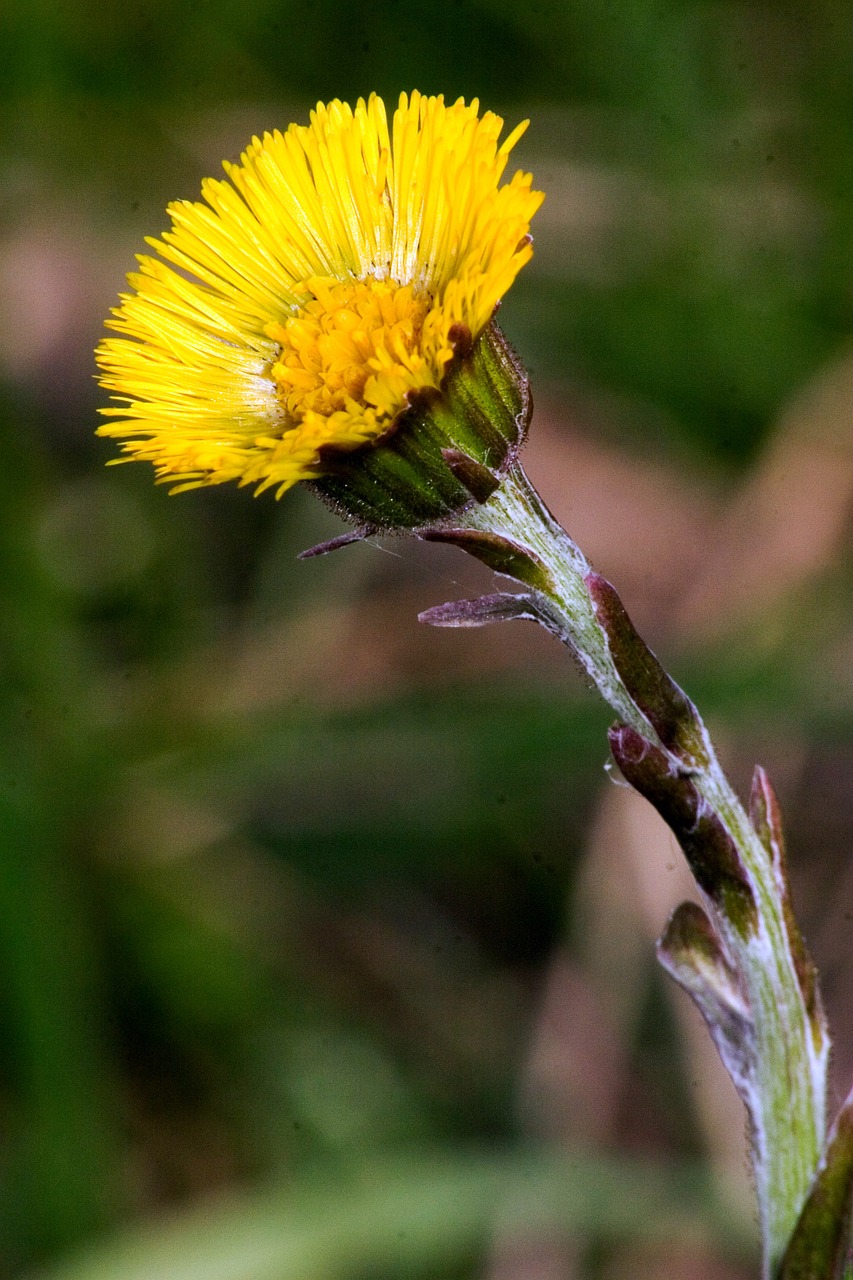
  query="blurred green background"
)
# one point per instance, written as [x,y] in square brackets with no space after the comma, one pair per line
[326,942]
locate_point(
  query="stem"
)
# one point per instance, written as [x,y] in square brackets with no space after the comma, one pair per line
[784,1083]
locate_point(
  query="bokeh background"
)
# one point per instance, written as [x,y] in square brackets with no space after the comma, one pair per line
[326,940]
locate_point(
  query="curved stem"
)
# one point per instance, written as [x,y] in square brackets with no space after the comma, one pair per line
[779,1062]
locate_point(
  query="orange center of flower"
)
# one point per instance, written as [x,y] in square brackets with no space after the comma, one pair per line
[356,346]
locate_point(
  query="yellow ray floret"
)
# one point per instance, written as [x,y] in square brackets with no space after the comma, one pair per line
[313,292]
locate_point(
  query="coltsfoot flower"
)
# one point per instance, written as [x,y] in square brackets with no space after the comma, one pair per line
[332,285]
[328,316]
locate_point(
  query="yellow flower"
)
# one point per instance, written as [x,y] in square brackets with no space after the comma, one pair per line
[301,308]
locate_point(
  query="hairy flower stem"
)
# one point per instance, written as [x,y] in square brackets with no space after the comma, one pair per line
[744,962]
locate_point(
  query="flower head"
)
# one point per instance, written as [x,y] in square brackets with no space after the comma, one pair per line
[303,308]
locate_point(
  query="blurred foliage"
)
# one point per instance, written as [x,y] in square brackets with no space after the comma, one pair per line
[277,903]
